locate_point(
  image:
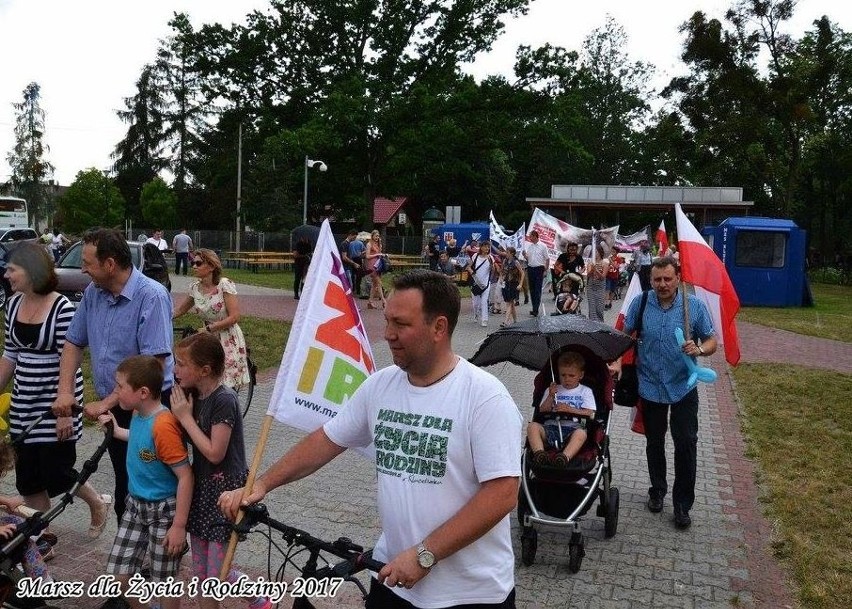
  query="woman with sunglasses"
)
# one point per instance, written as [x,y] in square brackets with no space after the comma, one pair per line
[214,299]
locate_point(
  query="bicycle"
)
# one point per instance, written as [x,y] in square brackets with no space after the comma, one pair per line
[244,393]
[322,581]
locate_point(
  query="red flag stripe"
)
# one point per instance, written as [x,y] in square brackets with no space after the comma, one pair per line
[701,267]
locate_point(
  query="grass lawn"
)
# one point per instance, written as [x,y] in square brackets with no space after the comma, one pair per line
[283,280]
[831,317]
[798,426]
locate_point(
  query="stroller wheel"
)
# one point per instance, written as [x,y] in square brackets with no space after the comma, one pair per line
[611,518]
[529,545]
[576,552]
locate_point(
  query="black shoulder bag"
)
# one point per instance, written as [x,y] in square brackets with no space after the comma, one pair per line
[627,386]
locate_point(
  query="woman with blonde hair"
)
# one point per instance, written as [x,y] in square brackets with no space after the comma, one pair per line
[214,299]
[376,264]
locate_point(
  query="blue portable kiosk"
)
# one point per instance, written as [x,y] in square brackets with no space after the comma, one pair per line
[461,232]
[765,258]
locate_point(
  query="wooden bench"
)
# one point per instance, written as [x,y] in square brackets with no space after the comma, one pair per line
[255,260]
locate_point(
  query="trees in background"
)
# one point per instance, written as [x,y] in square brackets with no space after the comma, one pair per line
[92,199]
[30,168]
[377,91]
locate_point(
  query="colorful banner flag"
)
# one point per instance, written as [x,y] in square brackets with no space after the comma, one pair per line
[504,240]
[556,234]
[328,355]
[662,239]
[631,243]
[700,266]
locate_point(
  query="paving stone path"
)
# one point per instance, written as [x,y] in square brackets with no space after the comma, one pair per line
[722,561]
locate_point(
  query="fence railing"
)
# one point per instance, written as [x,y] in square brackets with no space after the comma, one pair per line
[223,241]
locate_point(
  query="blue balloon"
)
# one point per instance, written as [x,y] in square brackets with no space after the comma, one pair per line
[696,372]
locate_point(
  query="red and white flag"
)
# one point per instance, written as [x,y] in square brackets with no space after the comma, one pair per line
[662,239]
[700,266]
[328,355]
[633,290]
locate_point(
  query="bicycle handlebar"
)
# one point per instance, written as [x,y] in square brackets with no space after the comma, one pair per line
[355,559]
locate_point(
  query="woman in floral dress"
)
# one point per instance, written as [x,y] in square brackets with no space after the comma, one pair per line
[214,299]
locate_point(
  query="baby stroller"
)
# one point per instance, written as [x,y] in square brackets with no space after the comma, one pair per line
[567,298]
[560,496]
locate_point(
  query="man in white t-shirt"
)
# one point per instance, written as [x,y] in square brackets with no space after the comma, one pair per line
[158,240]
[447,441]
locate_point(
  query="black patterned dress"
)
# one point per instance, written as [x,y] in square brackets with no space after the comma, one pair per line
[205,519]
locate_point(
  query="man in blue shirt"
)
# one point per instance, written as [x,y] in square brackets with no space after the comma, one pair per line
[663,384]
[122,313]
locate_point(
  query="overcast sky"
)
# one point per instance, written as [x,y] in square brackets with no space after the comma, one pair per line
[86,54]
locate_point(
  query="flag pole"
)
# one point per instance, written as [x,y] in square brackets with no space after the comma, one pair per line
[255,465]
[686,333]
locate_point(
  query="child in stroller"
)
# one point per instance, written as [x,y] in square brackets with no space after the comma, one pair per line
[566,401]
[568,297]
[560,496]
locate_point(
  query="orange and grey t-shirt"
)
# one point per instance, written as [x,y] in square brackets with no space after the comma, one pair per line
[154,447]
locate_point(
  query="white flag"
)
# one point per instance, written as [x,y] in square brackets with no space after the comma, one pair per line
[328,355]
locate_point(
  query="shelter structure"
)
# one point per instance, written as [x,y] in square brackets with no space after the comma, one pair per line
[765,258]
[710,204]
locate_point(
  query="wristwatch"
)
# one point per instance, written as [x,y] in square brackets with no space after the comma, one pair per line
[425,558]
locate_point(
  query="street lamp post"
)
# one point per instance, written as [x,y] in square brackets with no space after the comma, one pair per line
[308,164]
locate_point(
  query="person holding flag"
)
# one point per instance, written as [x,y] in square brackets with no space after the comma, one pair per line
[444,509]
[667,398]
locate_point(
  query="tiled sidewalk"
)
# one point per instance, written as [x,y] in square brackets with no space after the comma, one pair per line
[722,561]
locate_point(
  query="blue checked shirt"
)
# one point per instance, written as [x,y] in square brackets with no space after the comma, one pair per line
[662,372]
[137,322]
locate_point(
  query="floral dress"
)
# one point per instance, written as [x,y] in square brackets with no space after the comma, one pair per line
[211,308]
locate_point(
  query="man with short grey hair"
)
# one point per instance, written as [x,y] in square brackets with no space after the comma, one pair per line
[182,245]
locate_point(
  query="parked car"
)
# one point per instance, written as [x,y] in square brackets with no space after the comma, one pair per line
[72,279]
[11,237]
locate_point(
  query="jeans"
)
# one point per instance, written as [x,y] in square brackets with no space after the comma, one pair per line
[181,260]
[684,426]
[536,277]
[300,268]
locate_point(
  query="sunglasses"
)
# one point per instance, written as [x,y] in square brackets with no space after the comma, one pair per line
[196,263]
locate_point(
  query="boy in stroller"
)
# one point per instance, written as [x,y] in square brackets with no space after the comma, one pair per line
[568,298]
[570,398]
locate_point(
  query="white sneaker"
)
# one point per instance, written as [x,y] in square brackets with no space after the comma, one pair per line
[484,323]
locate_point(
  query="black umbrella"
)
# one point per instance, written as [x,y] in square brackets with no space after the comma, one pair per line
[531,342]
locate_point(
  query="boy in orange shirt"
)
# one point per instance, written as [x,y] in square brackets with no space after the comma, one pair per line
[160,479]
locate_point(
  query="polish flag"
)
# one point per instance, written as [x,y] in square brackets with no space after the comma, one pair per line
[700,266]
[662,239]
[633,290]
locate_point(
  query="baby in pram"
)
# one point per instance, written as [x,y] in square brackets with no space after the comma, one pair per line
[568,297]
[569,400]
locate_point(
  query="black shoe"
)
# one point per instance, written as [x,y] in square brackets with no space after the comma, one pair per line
[526,300]
[655,503]
[681,518]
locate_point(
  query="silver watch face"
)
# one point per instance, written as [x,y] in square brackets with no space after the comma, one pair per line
[425,558]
